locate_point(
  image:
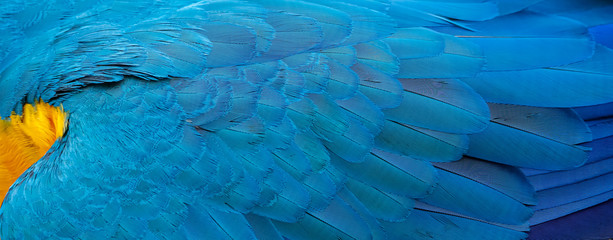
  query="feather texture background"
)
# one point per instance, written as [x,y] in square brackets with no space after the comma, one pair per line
[278,119]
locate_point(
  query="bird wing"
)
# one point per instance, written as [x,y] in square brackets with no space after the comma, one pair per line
[308,119]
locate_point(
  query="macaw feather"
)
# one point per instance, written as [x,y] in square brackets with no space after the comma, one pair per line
[295,119]
[432,97]
[26,138]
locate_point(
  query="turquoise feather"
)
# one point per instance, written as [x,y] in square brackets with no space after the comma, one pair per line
[290,119]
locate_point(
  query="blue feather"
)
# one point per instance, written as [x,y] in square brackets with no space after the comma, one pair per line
[592,12]
[600,149]
[554,179]
[502,178]
[442,106]
[344,55]
[525,149]
[380,204]
[342,82]
[289,205]
[459,58]
[557,202]
[313,149]
[303,28]
[424,144]
[391,173]
[374,226]
[428,224]
[415,43]
[464,10]
[334,24]
[506,49]
[353,144]
[326,119]
[366,24]
[217,224]
[460,194]
[338,220]
[588,223]
[382,89]
[559,84]
[595,111]
[378,55]
[366,112]
[263,227]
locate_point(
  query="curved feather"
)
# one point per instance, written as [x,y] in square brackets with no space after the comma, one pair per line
[307,119]
[513,49]
[462,195]
[444,105]
[505,179]
[504,87]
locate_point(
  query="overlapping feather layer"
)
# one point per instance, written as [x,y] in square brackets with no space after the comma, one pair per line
[299,119]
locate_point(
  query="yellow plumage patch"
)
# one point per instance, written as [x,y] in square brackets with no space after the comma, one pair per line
[26,138]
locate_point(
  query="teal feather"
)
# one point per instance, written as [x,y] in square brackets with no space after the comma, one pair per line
[217,224]
[550,79]
[293,85]
[263,227]
[314,68]
[506,49]
[392,173]
[302,113]
[463,10]
[378,55]
[461,194]
[292,119]
[344,55]
[338,220]
[380,205]
[271,106]
[425,145]
[329,120]
[293,161]
[366,24]
[334,24]
[426,224]
[510,6]
[303,28]
[591,13]
[241,106]
[526,149]
[352,145]
[499,177]
[342,82]
[252,16]
[314,150]
[459,58]
[322,188]
[381,89]
[415,43]
[374,226]
[289,204]
[366,112]
[440,107]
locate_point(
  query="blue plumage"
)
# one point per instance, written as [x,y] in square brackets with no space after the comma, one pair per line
[288,119]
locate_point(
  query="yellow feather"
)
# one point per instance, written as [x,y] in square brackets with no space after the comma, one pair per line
[26,138]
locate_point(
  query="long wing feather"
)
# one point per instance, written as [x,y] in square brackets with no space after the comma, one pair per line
[292,119]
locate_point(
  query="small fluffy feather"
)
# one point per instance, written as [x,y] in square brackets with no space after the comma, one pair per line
[26,138]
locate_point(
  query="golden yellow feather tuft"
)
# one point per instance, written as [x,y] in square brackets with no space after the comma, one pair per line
[26,138]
